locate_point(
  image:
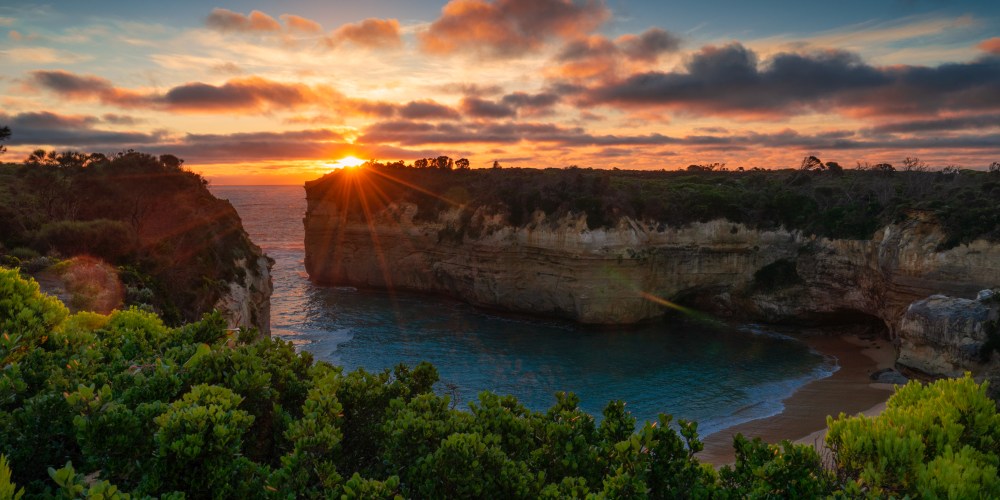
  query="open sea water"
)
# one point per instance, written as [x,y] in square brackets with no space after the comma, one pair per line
[717,377]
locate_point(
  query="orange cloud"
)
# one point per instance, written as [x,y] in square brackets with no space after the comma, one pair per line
[239,95]
[371,33]
[229,21]
[597,57]
[298,23]
[991,45]
[509,27]
[247,95]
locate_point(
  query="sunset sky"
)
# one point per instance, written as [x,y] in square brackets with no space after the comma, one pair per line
[276,92]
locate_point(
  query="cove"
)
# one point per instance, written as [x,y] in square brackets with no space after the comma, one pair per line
[716,376]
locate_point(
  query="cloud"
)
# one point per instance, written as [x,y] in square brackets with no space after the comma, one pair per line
[599,57]
[533,104]
[426,109]
[482,108]
[991,45]
[470,89]
[46,128]
[228,21]
[370,33]
[116,119]
[238,95]
[301,24]
[86,87]
[309,144]
[228,68]
[542,137]
[938,124]
[47,119]
[293,145]
[252,94]
[730,80]
[648,45]
[509,27]
[508,106]
[41,55]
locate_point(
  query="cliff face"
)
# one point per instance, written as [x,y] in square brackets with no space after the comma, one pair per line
[948,336]
[562,268]
[246,302]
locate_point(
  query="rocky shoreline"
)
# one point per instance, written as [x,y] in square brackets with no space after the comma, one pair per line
[638,270]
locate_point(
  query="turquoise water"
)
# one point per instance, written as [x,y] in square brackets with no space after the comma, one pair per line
[716,376]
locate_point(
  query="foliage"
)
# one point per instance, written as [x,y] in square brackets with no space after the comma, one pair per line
[108,239]
[785,470]
[130,209]
[819,198]
[938,440]
[121,405]
[8,490]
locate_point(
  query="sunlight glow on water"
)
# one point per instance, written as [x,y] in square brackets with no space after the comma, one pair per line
[718,377]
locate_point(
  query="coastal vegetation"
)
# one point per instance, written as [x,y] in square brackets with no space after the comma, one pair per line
[121,405]
[175,246]
[824,199]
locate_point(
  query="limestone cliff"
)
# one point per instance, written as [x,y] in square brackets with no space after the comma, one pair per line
[615,275]
[246,302]
[948,336]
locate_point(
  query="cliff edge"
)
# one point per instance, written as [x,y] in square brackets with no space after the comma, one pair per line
[169,244]
[374,228]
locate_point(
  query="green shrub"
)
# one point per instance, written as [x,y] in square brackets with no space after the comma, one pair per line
[939,439]
[8,490]
[23,253]
[785,470]
[199,441]
[108,239]
[120,405]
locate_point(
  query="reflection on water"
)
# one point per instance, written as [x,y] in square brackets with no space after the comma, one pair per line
[718,377]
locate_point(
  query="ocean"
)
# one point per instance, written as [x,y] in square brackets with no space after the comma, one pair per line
[718,377]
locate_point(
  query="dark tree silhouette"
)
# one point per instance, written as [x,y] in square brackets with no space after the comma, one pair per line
[462,163]
[171,162]
[812,163]
[834,168]
[443,162]
[421,163]
[995,167]
[4,135]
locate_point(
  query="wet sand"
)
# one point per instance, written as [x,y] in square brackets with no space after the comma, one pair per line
[848,390]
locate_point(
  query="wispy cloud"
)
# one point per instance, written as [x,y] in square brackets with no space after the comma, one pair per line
[42,55]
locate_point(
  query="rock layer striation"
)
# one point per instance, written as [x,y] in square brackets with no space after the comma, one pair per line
[638,270]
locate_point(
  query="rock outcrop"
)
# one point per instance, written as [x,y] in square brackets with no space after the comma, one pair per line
[246,302]
[637,270]
[625,273]
[949,336]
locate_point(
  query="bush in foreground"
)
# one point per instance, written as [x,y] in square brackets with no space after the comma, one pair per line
[98,405]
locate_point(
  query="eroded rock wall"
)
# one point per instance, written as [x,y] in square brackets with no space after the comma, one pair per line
[246,302]
[949,336]
[615,275]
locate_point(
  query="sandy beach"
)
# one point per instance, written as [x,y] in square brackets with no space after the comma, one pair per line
[848,390]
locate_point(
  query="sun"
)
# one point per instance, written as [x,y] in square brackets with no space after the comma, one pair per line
[346,162]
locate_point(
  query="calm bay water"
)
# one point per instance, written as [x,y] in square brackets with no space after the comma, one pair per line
[718,377]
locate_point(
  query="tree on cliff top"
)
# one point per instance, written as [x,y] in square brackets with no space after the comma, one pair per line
[4,135]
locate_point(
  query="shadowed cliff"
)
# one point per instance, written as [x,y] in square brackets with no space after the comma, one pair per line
[176,248]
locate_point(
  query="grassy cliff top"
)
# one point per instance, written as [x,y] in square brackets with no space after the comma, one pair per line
[174,243]
[838,203]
